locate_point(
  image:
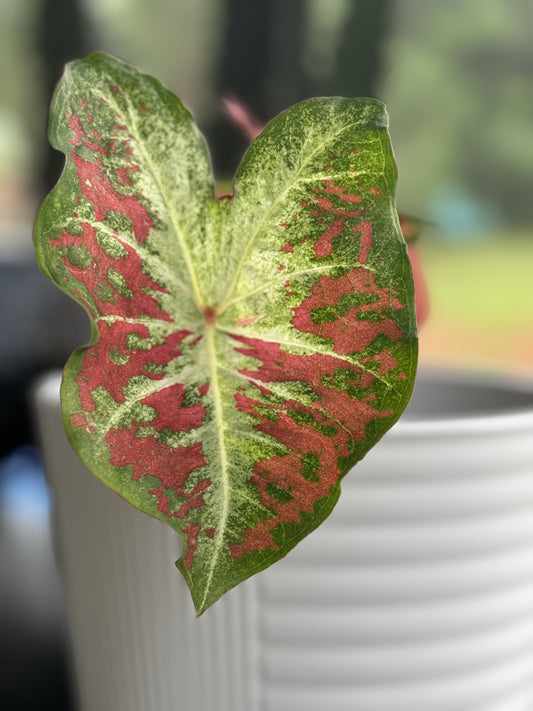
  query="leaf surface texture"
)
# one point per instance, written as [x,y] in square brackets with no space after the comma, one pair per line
[246,352]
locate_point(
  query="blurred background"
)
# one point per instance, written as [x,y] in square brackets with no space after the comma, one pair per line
[456,76]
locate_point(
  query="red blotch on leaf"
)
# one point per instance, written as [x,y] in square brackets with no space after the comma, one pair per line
[324,245]
[345,417]
[328,207]
[246,320]
[192,531]
[97,187]
[81,138]
[350,332]
[136,305]
[124,173]
[79,420]
[98,190]
[171,414]
[171,465]
[101,369]
[365,228]
[385,360]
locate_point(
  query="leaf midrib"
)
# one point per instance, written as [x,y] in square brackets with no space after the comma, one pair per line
[224,488]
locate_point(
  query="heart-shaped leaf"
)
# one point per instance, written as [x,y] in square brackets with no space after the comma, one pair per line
[247,351]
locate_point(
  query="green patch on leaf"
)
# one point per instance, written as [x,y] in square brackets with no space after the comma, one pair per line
[79,256]
[118,358]
[278,493]
[111,246]
[310,467]
[118,282]
[268,413]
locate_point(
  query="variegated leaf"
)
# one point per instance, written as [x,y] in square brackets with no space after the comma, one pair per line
[246,352]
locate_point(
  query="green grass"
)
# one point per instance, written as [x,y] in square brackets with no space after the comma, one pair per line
[485,284]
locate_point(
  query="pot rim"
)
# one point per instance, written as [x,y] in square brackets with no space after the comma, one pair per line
[505,418]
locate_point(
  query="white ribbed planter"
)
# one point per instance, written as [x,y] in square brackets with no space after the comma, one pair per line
[415,595]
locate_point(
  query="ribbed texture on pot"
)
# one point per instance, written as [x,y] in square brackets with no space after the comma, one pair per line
[415,595]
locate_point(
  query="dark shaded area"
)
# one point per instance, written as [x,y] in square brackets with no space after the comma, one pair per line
[63,34]
[34,677]
[359,63]
[243,70]
[465,395]
[287,79]
[262,63]
[40,329]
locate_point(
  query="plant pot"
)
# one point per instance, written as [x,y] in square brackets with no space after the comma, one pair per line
[416,594]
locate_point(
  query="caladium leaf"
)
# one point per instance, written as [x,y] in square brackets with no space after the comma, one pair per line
[246,352]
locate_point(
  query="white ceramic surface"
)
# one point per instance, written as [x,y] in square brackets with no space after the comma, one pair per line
[415,595]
